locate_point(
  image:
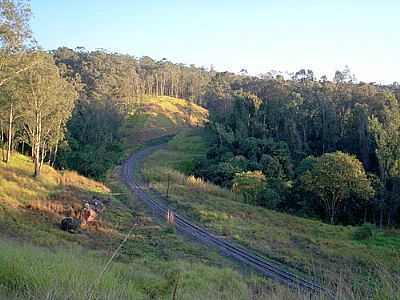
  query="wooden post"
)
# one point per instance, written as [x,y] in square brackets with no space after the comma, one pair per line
[174,294]
[168,182]
[170,217]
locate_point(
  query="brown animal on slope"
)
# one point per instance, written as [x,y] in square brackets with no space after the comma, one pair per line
[88,215]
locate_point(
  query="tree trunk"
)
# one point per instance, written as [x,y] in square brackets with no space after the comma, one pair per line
[9,142]
[50,154]
[2,140]
[37,160]
[1,132]
[157,85]
[54,155]
[42,154]
[332,218]
[365,215]
[331,209]
[37,144]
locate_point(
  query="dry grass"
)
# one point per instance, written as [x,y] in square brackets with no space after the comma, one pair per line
[196,185]
[172,112]
[31,207]
[161,116]
[73,179]
[18,187]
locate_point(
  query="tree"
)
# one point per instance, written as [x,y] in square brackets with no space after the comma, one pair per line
[386,135]
[249,185]
[245,108]
[48,102]
[358,135]
[334,178]
[11,105]
[344,75]
[93,137]
[218,96]
[387,139]
[14,32]
[14,23]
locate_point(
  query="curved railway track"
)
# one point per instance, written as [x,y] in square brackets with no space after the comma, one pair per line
[184,226]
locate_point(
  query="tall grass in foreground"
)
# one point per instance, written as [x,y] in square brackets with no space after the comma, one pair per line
[28,272]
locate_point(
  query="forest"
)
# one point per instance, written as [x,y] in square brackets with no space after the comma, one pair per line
[309,146]
[314,147]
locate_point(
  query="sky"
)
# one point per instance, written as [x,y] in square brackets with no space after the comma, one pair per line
[259,36]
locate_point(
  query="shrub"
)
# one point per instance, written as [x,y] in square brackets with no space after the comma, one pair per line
[364,232]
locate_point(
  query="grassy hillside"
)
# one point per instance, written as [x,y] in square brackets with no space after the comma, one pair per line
[31,207]
[160,116]
[324,251]
[40,261]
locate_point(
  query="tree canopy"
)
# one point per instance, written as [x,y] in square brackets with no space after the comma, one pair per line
[336,177]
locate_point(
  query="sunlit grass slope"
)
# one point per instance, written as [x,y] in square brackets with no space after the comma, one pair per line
[310,246]
[18,186]
[40,261]
[31,207]
[161,116]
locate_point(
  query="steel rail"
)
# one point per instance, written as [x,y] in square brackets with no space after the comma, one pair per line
[183,225]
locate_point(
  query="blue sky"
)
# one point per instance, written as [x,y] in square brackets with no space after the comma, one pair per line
[259,36]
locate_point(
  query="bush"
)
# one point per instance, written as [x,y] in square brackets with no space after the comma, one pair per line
[364,232]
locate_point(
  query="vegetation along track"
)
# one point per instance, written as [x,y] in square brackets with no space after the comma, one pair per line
[186,227]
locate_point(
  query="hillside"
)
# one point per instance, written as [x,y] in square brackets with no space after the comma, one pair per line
[30,206]
[357,267]
[129,176]
[160,116]
[39,259]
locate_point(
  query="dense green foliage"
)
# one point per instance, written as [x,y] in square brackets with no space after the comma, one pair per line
[93,138]
[265,123]
[276,125]
[363,257]
[334,178]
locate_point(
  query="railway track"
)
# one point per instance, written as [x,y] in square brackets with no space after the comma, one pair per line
[185,226]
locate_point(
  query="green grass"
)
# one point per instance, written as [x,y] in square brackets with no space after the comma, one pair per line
[155,240]
[158,117]
[39,261]
[309,246]
[184,149]
[28,272]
